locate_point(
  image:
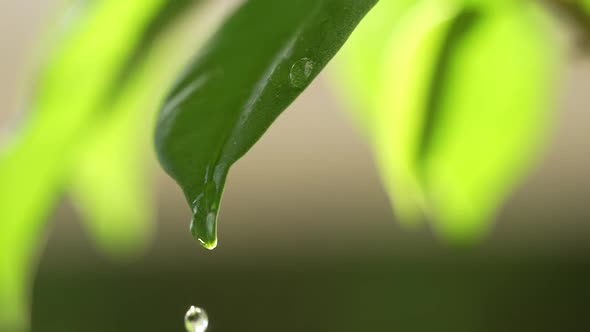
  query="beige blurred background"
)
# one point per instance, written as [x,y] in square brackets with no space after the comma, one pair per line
[310,184]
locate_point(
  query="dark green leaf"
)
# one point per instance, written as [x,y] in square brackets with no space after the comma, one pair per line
[259,61]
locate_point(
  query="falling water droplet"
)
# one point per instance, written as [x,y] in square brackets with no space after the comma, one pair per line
[196,320]
[301,72]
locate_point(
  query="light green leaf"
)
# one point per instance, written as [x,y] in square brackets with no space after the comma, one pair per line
[388,63]
[88,58]
[111,183]
[454,95]
[358,66]
[464,107]
[412,58]
[258,62]
[487,117]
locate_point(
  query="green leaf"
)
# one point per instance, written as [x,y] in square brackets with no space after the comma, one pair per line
[358,66]
[488,116]
[258,62]
[464,109]
[88,58]
[415,49]
[111,185]
[428,79]
[398,68]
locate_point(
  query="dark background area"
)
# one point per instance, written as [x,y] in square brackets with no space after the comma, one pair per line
[467,293]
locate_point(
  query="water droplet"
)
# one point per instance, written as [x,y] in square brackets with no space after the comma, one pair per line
[204,222]
[301,72]
[196,320]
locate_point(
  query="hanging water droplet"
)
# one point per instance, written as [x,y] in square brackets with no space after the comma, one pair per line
[204,222]
[196,320]
[301,72]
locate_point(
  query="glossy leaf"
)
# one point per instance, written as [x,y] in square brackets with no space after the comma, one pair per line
[258,62]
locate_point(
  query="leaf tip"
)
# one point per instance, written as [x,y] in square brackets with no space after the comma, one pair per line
[204,230]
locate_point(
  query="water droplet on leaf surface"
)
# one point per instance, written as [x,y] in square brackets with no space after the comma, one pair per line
[196,320]
[204,223]
[301,72]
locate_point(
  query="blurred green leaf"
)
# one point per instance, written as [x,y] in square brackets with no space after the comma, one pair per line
[403,99]
[462,127]
[487,116]
[111,182]
[455,102]
[358,71]
[78,77]
[110,185]
[259,61]
[396,57]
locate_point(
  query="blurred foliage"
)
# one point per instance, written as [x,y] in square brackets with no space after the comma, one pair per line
[87,128]
[110,183]
[458,104]
[361,59]
[453,96]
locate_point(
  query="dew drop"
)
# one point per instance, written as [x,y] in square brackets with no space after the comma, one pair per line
[196,320]
[204,222]
[301,72]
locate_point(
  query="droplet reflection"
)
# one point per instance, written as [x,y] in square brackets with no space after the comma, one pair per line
[301,72]
[196,320]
